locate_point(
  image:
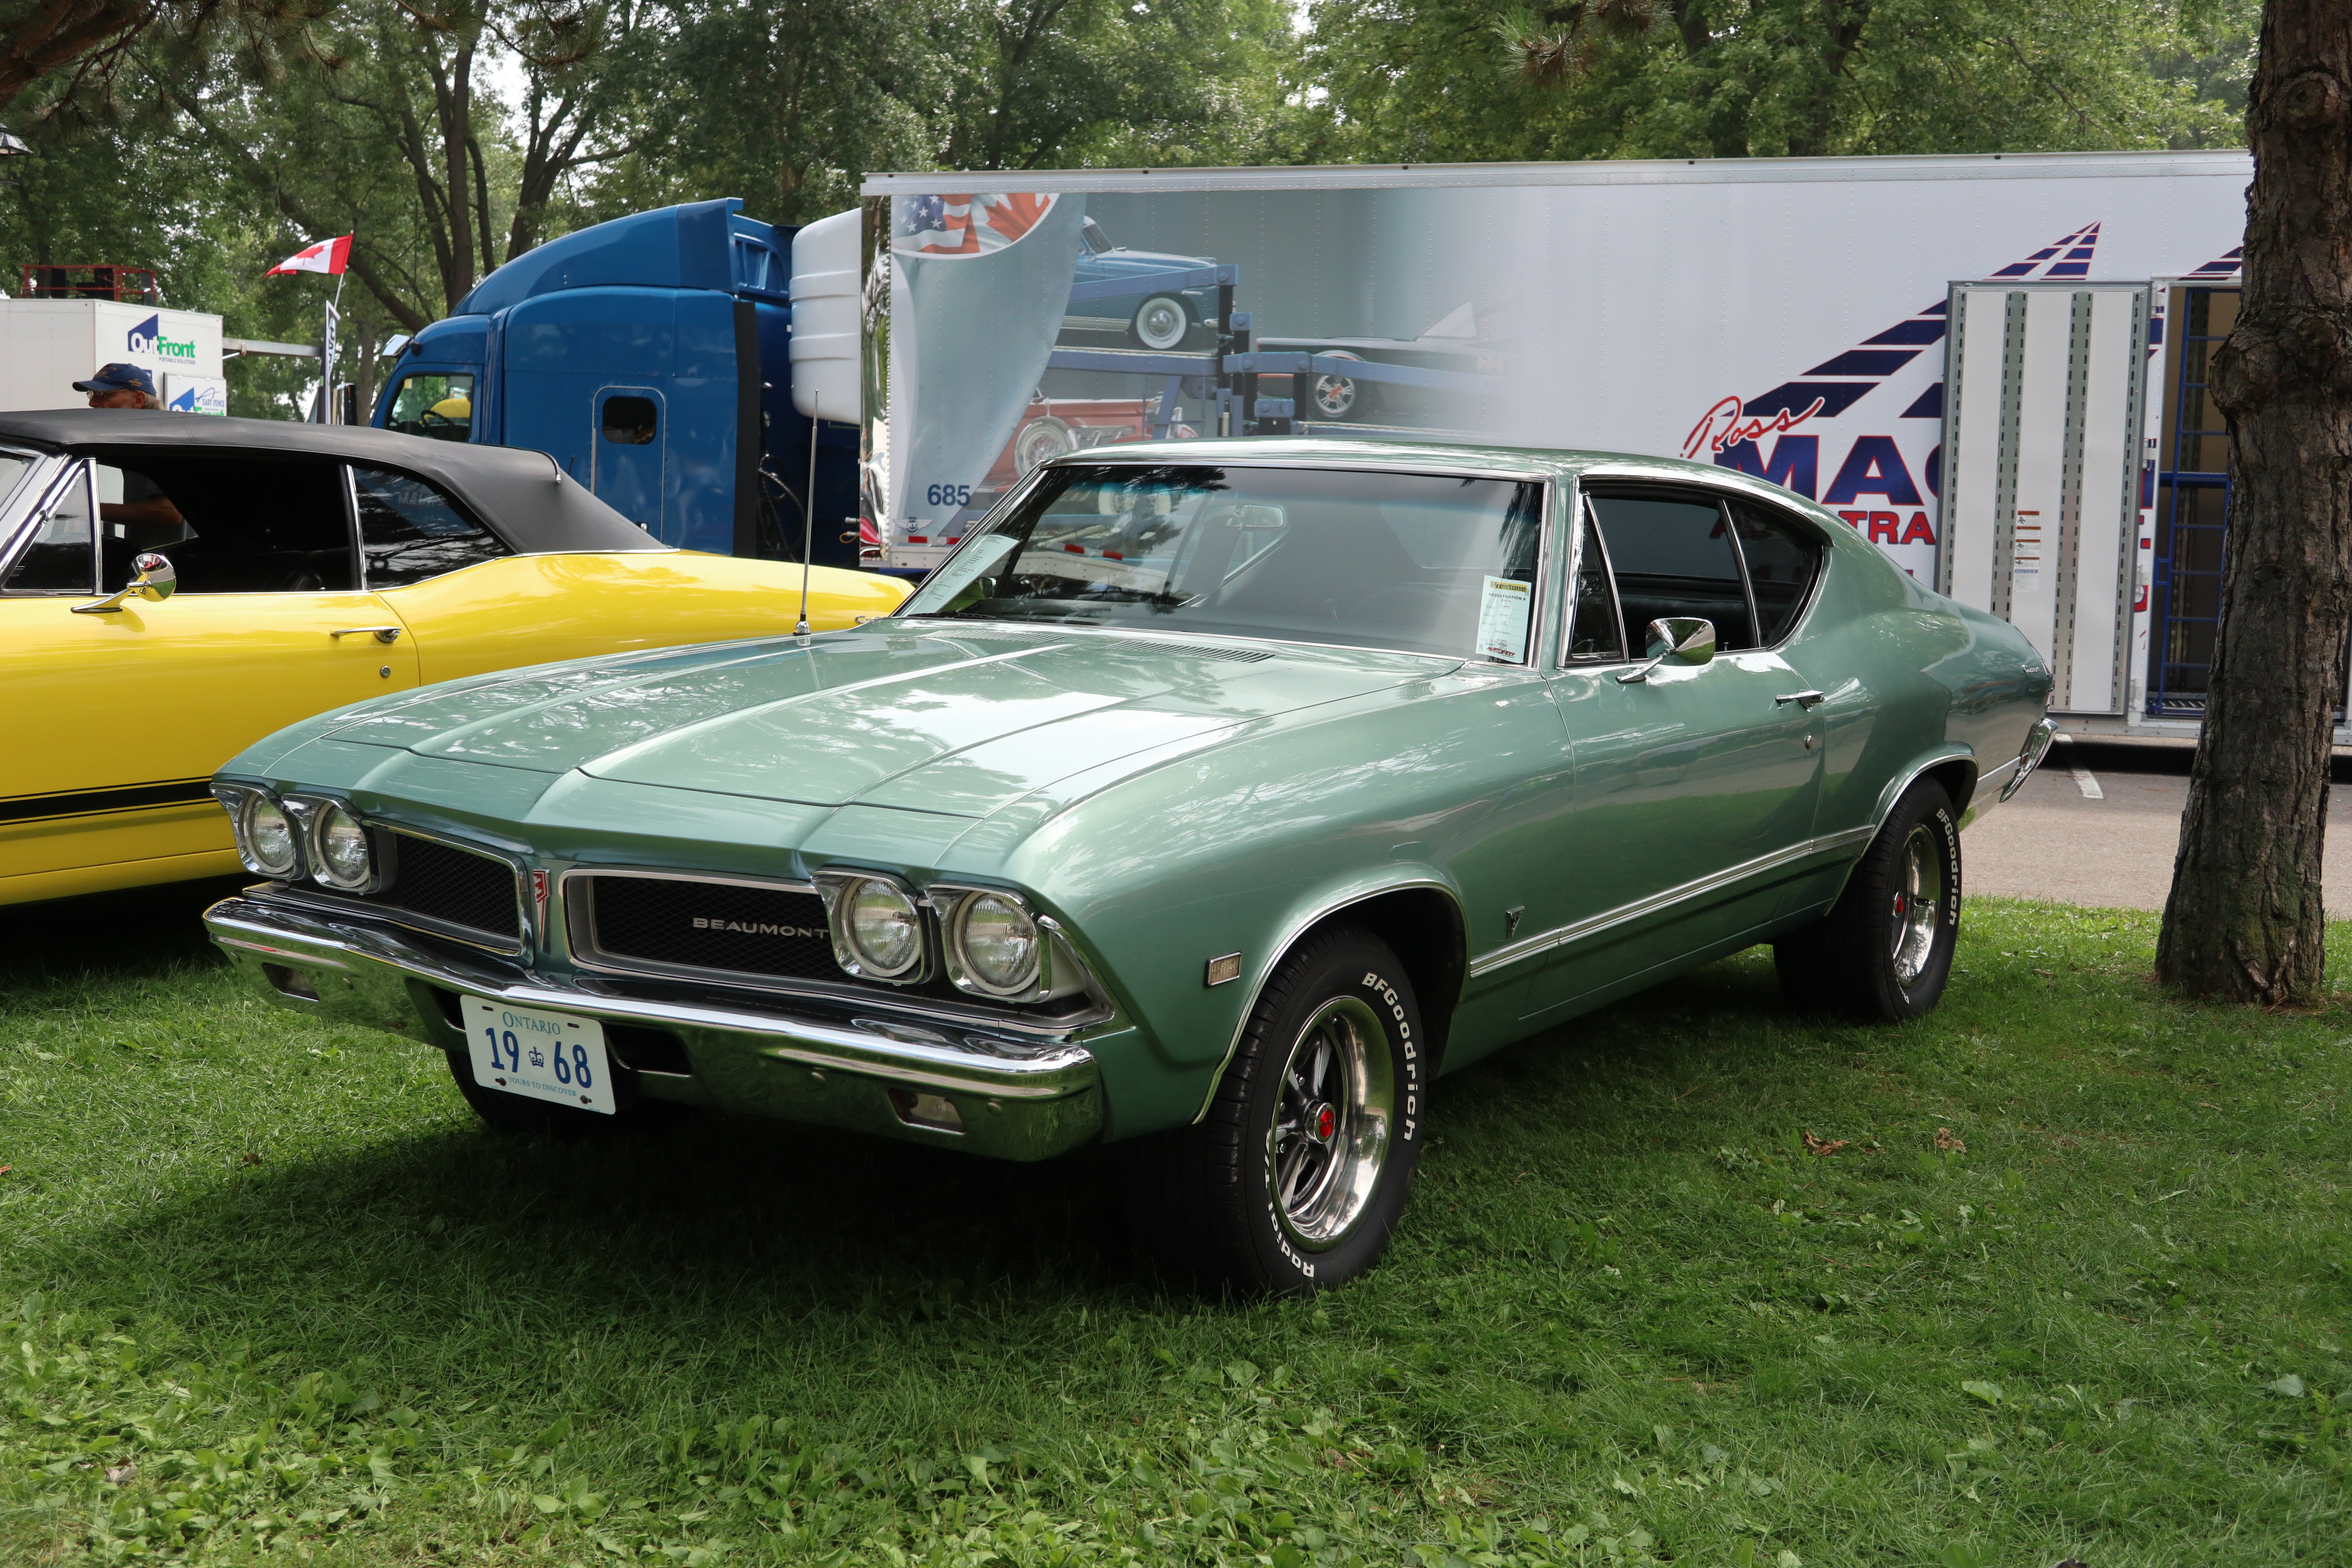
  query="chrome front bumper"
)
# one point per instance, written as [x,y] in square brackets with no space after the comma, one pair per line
[2037,746]
[887,1074]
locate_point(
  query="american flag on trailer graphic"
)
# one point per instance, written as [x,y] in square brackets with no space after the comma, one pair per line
[970,225]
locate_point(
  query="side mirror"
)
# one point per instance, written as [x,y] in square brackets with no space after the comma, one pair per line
[154,583]
[1675,639]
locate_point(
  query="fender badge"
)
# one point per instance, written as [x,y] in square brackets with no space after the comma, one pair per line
[1221,969]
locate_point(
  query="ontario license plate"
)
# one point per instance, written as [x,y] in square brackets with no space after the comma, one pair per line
[543,1055]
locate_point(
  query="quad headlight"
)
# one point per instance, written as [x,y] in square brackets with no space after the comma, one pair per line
[997,942]
[992,944]
[339,853]
[877,930]
[999,948]
[268,840]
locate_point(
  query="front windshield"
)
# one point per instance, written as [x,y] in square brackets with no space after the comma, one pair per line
[1421,562]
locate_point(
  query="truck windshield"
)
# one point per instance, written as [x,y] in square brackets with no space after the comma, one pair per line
[436,403]
[1418,562]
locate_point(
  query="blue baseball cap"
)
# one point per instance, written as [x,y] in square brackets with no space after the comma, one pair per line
[119,378]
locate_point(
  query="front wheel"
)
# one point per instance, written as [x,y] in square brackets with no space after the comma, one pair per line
[1161,322]
[1294,1180]
[1884,952]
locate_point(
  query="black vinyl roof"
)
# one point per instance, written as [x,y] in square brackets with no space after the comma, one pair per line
[531,503]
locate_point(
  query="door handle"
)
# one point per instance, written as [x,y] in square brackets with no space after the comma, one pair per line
[381,634]
[1808,700]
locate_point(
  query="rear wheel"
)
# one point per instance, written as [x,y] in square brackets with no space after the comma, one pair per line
[1294,1180]
[1884,952]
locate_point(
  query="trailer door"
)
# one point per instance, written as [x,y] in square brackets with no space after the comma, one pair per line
[2043,385]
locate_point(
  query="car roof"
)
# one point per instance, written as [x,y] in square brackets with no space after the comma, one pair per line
[524,495]
[1426,456]
[1470,460]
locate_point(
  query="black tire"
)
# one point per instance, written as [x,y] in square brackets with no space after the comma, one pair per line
[519,1116]
[1206,1201]
[1884,952]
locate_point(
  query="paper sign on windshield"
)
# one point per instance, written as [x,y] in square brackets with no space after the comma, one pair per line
[1503,619]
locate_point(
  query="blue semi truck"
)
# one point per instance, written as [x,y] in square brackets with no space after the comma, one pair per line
[649,357]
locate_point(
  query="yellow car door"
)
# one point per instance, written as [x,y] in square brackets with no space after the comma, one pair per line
[118,717]
[475,607]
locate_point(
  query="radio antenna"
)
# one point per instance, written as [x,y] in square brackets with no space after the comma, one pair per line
[808,520]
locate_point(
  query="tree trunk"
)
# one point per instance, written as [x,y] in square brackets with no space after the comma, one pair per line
[2244,921]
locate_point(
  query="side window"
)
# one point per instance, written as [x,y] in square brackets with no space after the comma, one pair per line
[1593,630]
[630,421]
[430,403]
[1672,556]
[410,530]
[62,557]
[229,521]
[1782,559]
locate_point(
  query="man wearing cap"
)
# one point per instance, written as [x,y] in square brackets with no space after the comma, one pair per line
[145,508]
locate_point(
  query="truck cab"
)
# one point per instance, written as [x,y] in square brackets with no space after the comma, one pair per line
[647,356]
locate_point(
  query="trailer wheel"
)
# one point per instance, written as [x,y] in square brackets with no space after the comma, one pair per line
[1884,952]
[1161,322]
[1334,397]
[1042,438]
[1293,1181]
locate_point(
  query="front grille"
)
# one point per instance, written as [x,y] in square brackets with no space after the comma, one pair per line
[772,932]
[455,886]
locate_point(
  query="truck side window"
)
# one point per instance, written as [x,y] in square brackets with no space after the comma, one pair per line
[630,421]
[410,530]
[1782,559]
[62,557]
[1672,556]
[435,404]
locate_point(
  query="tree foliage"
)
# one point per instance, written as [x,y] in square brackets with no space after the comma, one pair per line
[208,138]
[1443,79]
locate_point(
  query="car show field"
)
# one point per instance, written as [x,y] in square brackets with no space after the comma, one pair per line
[2056,1272]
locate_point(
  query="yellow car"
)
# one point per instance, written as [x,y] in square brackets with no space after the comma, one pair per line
[173,588]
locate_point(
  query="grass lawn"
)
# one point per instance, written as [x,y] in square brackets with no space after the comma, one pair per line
[267,1293]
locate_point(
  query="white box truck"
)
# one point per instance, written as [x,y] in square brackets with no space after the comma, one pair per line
[1967,358]
[47,345]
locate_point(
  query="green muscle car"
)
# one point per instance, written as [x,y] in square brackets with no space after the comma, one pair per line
[1211,799]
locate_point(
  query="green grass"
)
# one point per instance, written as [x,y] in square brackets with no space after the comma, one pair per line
[274,1282]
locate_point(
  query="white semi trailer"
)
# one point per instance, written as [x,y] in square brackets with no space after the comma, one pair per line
[47,345]
[1994,366]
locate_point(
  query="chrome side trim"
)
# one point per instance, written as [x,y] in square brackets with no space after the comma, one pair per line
[1561,936]
[2029,756]
[1280,950]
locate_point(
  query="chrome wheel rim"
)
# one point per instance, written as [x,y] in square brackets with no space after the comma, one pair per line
[1330,1135]
[1334,394]
[1160,324]
[1918,905]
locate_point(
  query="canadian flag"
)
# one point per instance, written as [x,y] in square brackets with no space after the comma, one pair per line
[327,255]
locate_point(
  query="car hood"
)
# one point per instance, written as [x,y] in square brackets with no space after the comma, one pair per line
[956,720]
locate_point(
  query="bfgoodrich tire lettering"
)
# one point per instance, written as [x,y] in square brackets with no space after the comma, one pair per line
[1294,1180]
[1885,949]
